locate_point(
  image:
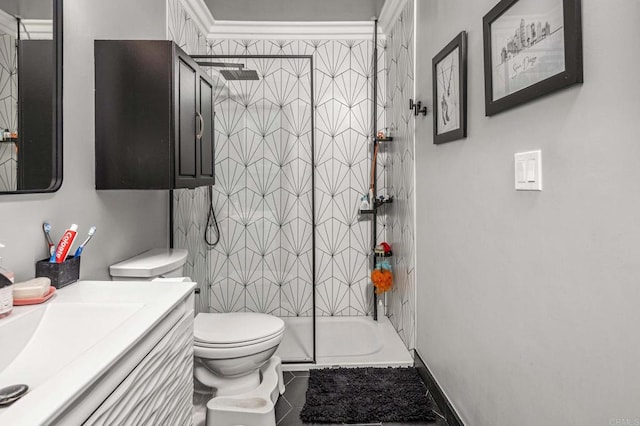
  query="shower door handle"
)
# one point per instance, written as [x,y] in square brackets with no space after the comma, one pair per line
[201,132]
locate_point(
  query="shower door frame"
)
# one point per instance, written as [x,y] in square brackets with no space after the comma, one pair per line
[313,174]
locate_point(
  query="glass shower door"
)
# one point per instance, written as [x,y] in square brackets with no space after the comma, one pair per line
[263,198]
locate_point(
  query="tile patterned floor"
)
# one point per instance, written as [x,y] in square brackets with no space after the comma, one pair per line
[290,404]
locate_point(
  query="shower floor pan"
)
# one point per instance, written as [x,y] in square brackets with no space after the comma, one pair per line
[342,341]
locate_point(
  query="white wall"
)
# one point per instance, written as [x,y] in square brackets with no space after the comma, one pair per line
[128,221]
[529,302]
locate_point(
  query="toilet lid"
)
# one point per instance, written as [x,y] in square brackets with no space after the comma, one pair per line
[235,327]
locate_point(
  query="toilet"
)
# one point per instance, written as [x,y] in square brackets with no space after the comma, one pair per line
[233,352]
[230,348]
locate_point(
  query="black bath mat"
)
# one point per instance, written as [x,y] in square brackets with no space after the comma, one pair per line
[366,395]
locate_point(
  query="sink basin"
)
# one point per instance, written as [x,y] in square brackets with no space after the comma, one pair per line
[35,346]
[75,348]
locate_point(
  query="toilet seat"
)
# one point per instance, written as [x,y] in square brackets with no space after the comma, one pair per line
[235,334]
[235,345]
[235,328]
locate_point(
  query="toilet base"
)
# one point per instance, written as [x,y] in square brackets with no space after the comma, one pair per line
[224,385]
[253,408]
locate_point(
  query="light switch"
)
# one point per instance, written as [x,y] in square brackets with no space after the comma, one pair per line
[531,170]
[528,171]
[520,172]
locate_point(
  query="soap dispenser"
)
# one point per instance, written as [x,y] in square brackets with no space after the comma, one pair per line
[6,290]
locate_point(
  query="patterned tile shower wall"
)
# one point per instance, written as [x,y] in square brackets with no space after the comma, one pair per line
[400,56]
[8,111]
[263,197]
[342,76]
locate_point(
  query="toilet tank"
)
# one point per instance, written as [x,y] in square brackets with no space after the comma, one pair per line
[154,263]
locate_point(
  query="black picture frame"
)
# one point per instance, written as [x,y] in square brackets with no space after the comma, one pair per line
[449,70]
[536,59]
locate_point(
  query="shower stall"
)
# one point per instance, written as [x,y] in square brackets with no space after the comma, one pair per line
[280,247]
[264,198]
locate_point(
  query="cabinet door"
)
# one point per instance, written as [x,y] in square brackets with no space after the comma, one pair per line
[135,92]
[206,132]
[187,154]
[159,390]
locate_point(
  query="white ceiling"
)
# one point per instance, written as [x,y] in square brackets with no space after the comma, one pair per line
[295,10]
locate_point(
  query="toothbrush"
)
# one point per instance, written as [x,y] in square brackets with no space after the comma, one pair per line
[78,252]
[47,233]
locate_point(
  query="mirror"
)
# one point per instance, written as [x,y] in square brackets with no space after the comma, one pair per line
[30,96]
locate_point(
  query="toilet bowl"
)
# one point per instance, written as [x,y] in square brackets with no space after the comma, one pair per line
[232,351]
[230,348]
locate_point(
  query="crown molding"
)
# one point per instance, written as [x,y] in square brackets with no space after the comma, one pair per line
[390,13]
[8,24]
[214,29]
[38,29]
[200,13]
[260,30]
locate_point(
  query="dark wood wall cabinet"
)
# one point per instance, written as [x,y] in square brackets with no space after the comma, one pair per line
[154,117]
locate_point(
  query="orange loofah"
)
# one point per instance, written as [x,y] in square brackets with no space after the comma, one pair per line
[382,280]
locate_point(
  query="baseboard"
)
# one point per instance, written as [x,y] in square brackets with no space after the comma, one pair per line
[436,392]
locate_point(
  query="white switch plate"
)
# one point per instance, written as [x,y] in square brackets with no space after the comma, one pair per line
[528,170]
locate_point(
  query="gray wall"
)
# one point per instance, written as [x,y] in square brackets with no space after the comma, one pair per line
[128,221]
[528,302]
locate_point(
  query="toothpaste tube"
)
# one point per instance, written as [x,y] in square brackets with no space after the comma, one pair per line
[64,245]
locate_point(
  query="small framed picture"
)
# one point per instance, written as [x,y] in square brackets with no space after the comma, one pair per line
[531,48]
[450,91]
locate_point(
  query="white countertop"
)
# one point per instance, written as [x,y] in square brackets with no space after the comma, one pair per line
[128,310]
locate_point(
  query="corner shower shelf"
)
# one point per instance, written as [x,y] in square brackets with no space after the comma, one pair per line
[376,205]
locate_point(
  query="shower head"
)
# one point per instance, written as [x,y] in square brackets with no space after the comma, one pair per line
[235,75]
[230,75]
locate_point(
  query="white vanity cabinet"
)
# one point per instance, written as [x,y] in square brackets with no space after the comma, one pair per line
[159,390]
[102,353]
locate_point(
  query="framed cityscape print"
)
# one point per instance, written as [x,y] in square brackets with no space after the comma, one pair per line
[531,48]
[449,69]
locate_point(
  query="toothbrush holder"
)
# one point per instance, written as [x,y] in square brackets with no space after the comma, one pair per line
[60,274]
